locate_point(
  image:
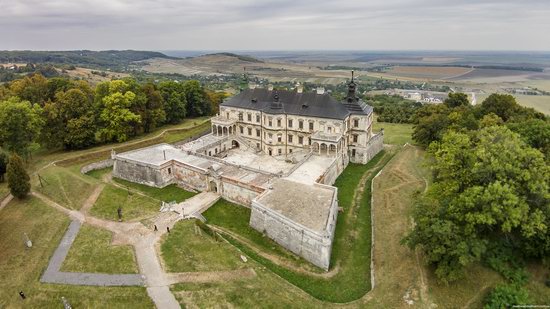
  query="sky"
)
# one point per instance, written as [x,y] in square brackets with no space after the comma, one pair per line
[275,25]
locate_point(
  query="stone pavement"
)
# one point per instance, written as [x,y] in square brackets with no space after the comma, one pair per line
[198,203]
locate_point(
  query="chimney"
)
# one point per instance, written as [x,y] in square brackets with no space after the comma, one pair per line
[299,88]
[320,90]
[270,87]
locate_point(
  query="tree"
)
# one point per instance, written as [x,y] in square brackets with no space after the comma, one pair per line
[502,105]
[31,88]
[457,99]
[488,186]
[18,179]
[20,125]
[117,117]
[506,295]
[196,102]
[431,122]
[3,165]
[536,133]
[153,114]
[175,101]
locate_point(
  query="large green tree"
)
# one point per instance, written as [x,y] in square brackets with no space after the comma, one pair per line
[196,101]
[18,179]
[488,185]
[175,101]
[116,116]
[431,121]
[20,124]
[457,99]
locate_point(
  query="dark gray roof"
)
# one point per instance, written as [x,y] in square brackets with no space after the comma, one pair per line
[293,103]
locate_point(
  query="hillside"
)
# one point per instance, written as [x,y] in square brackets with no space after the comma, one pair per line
[107,59]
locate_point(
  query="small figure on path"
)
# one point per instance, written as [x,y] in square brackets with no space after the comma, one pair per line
[119,211]
[156,228]
[22,295]
[168,229]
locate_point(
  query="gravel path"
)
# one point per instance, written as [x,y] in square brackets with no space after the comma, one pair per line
[54,275]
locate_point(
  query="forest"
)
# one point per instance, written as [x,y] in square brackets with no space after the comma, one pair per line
[490,200]
[72,114]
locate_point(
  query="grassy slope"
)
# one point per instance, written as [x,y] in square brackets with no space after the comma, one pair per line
[185,251]
[21,268]
[134,206]
[350,252]
[64,187]
[92,252]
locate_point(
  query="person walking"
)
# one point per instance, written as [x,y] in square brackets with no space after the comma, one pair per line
[22,295]
[156,228]
[168,229]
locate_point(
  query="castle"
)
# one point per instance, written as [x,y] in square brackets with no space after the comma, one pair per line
[276,152]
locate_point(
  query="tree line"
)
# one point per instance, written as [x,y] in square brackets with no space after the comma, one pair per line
[72,114]
[490,198]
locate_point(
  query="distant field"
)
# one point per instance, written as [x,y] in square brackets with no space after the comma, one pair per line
[428,72]
[540,103]
[500,76]
[395,133]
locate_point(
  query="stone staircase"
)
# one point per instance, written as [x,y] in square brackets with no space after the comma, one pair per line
[196,205]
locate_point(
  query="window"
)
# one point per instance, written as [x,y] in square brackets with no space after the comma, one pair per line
[279,151]
[270,122]
[249,131]
[258,145]
[290,123]
[355,138]
[258,118]
[353,152]
[279,138]
[356,123]
[169,170]
[249,117]
[290,138]
[329,129]
[301,124]
[270,136]
[311,126]
[290,150]
[241,116]
[258,132]
[300,140]
[241,129]
[227,114]
[278,122]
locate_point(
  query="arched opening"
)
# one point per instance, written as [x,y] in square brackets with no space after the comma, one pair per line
[315,147]
[332,149]
[230,130]
[213,186]
[323,148]
[224,130]
[214,130]
[235,144]
[219,131]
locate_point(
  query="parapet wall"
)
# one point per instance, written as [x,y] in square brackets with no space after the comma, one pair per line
[97,166]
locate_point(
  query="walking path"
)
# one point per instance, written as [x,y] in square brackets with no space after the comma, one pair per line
[198,203]
[144,240]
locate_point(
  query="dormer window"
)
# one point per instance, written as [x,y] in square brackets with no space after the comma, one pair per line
[356,123]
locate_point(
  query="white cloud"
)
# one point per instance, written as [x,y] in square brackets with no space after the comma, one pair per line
[284,24]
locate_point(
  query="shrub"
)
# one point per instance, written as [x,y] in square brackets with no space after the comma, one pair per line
[506,295]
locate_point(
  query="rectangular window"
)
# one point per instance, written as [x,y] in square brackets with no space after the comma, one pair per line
[290,150]
[290,138]
[279,151]
[300,140]
[355,138]
[270,136]
[311,126]
[169,170]
[242,130]
[356,123]
[249,116]
[301,124]
[258,132]
[279,138]
[258,118]
[227,114]
[290,123]
[241,116]
[270,123]
[249,131]
[278,122]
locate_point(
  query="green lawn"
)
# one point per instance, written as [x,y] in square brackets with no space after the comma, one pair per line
[395,133]
[64,187]
[235,218]
[134,206]
[266,290]
[352,244]
[21,268]
[92,252]
[187,249]
[167,194]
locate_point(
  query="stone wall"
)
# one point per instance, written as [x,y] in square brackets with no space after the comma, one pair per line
[375,145]
[313,246]
[238,192]
[141,173]
[333,171]
[192,177]
[97,166]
